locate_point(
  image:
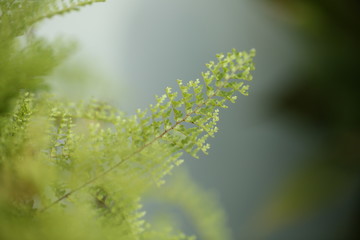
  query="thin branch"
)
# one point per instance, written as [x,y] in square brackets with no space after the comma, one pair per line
[114,166]
[132,154]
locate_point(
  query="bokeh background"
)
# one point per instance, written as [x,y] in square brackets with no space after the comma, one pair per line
[286,161]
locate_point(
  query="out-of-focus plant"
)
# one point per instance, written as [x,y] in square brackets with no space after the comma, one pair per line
[324,97]
[79,170]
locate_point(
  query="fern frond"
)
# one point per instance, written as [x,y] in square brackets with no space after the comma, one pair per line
[135,142]
[13,130]
[62,7]
[97,158]
[63,164]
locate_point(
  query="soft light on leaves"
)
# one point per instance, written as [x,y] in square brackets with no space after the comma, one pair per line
[84,166]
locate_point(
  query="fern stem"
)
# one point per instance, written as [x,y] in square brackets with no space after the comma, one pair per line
[134,153]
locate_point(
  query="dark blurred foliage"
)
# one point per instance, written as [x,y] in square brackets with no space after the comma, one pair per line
[326,91]
[324,96]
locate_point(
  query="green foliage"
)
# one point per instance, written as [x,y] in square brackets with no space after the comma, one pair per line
[25,58]
[79,170]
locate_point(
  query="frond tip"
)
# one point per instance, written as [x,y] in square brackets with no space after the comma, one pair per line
[92,158]
[197,104]
[151,142]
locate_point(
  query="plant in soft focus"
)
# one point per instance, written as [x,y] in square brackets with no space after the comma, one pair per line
[79,170]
